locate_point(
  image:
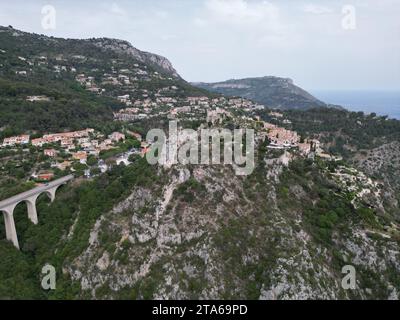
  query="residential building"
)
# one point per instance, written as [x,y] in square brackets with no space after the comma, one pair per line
[12,141]
[80,155]
[50,152]
[116,136]
[45,176]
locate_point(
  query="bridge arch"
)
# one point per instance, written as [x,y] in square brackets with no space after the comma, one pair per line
[51,193]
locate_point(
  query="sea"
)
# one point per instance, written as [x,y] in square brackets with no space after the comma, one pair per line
[381,102]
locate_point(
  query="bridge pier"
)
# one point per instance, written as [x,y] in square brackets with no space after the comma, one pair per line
[52,193]
[32,213]
[11,232]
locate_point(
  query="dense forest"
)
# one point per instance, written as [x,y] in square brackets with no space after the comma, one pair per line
[70,108]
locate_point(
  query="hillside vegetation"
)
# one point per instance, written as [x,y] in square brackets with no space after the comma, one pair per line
[324,192]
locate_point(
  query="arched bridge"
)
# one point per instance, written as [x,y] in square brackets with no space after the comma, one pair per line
[7,206]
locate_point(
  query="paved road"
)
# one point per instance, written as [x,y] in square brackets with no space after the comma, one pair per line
[22,196]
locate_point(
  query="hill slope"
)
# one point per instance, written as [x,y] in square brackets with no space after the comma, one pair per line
[191,231]
[81,80]
[272,92]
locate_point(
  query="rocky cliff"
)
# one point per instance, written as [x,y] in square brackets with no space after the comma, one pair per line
[124,47]
[206,233]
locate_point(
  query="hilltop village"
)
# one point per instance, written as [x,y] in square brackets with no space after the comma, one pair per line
[88,152]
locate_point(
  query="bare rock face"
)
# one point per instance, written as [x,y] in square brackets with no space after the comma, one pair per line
[383,162]
[124,47]
[104,261]
[230,239]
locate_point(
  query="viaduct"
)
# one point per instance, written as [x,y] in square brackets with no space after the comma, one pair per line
[7,206]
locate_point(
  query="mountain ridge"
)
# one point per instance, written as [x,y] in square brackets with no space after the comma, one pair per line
[82,79]
[271,91]
[125,47]
[113,44]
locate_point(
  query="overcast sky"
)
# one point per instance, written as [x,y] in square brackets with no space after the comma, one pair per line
[214,40]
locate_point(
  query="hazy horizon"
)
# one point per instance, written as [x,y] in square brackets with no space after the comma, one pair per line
[217,40]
